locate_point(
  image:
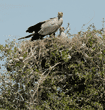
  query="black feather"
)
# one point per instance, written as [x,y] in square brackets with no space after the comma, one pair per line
[26,36]
[35,28]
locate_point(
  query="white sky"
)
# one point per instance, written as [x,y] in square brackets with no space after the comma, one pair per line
[17,15]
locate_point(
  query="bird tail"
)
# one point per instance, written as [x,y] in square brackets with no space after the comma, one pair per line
[26,36]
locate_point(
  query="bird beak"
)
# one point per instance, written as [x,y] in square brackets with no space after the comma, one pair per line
[60,14]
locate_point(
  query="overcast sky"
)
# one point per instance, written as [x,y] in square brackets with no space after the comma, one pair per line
[17,15]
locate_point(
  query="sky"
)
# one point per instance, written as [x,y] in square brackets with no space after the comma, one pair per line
[17,15]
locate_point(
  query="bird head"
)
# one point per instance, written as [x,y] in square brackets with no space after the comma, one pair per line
[62,29]
[60,14]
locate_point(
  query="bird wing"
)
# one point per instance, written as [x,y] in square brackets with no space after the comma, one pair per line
[49,19]
[50,26]
[35,27]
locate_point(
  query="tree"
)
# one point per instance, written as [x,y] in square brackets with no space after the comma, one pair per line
[55,73]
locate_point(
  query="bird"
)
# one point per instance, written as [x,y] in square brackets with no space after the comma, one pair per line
[44,28]
[62,34]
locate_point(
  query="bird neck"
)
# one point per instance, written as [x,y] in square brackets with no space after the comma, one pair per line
[60,21]
[60,33]
[59,17]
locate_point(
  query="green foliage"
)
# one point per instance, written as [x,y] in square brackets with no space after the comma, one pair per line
[55,74]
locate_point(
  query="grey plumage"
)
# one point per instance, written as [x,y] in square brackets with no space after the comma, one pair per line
[62,34]
[44,28]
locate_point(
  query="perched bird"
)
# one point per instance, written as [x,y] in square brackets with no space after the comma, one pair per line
[62,34]
[44,28]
